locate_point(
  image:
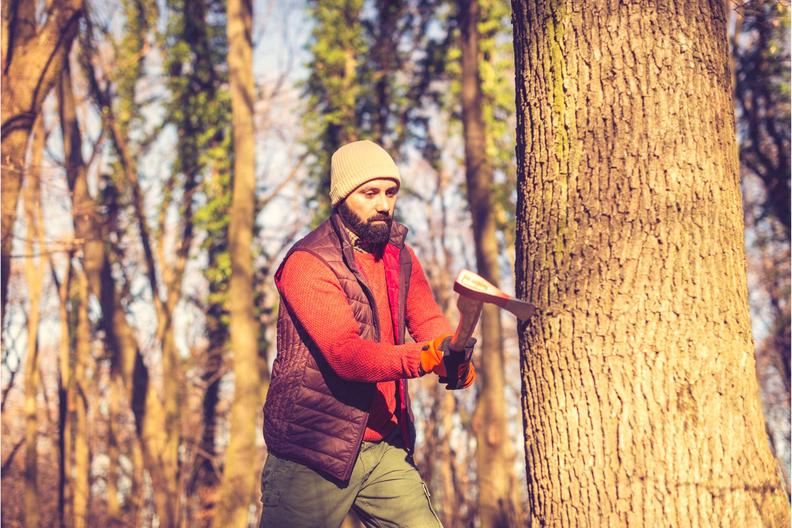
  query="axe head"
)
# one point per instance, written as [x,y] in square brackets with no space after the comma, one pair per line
[477,287]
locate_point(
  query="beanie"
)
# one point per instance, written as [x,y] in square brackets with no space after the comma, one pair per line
[355,163]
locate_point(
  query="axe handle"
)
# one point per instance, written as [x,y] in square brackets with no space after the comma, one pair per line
[469,313]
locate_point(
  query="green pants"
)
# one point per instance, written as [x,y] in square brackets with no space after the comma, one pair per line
[385,490]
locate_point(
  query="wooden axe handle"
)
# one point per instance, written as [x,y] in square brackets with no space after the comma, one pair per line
[469,313]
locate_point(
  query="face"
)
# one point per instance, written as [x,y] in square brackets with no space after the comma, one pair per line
[368,210]
[374,199]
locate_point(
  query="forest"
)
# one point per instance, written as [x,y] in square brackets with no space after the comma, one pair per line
[624,166]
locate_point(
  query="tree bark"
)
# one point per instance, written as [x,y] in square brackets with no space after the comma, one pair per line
[239,479]
[32,58]
[494,456]
[34,275]
[640,400]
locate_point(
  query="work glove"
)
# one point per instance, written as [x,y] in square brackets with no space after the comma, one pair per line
[455,368]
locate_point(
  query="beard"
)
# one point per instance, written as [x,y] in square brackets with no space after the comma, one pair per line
[372,235]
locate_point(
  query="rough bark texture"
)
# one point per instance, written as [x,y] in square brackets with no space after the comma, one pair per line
[641,405]
[494,456]
[239,478]
[32,58]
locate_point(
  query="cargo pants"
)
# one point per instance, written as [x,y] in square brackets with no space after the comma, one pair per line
[385,490]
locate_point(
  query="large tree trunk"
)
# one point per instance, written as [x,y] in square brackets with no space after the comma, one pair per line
[239,478]
[34,275]
[640,400]
[494,456]
[32,58]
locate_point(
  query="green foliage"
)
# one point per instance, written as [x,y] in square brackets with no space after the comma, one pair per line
[496,74]
[496,71]
[332,87]
[139,18]
[371,67]
[195,50]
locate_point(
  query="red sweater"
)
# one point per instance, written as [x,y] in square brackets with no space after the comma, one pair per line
[318,301]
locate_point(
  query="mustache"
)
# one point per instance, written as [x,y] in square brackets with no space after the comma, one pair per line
[384,217]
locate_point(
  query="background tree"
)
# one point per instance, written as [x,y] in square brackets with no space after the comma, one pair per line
[639,395]
[238,482]
[493,450]
[32,56]
[196,48]
[135,193]
[760,54]
[34,275]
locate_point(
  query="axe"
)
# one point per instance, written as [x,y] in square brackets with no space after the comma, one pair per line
[474,290]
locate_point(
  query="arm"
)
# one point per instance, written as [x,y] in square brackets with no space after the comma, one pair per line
[318,301]
[425,319]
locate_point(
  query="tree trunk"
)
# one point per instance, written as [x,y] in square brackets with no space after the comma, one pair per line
[206,478]
[640,400]
[34,275]
[494,456]
[64,396]
[239,479]
[32,58]
[114,414]
[82,463]
[157,444]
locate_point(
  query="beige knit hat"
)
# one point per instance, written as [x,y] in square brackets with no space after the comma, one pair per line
[355,163]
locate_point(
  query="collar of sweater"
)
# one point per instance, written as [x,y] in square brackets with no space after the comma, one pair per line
[357,244]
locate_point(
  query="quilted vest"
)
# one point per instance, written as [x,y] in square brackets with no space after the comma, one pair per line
[311,415]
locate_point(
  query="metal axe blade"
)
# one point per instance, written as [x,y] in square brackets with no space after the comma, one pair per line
[476,287]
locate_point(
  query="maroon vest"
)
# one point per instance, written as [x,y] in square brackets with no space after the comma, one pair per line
[312,416]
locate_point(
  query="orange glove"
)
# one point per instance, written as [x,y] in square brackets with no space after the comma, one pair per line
[467,375]
[437,357]
[432,356]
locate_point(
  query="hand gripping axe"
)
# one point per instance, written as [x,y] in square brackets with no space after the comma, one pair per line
[474,290]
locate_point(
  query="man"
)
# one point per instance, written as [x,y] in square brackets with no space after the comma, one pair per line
[337,419]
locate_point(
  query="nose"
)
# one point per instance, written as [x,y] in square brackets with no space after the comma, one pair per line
[382,204]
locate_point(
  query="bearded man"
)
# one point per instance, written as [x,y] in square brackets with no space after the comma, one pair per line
[337,420]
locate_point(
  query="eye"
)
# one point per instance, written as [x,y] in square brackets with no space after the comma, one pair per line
[391,192]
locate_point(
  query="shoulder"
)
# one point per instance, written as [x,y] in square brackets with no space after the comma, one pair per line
[302,262]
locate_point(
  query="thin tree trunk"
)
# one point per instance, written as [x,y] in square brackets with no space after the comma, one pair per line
[207,478]
[64,395]
[81,485]
[239,479]
[640,400]
[34,275]
[494,456]
[138,489]
[32,58]
[114,413]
